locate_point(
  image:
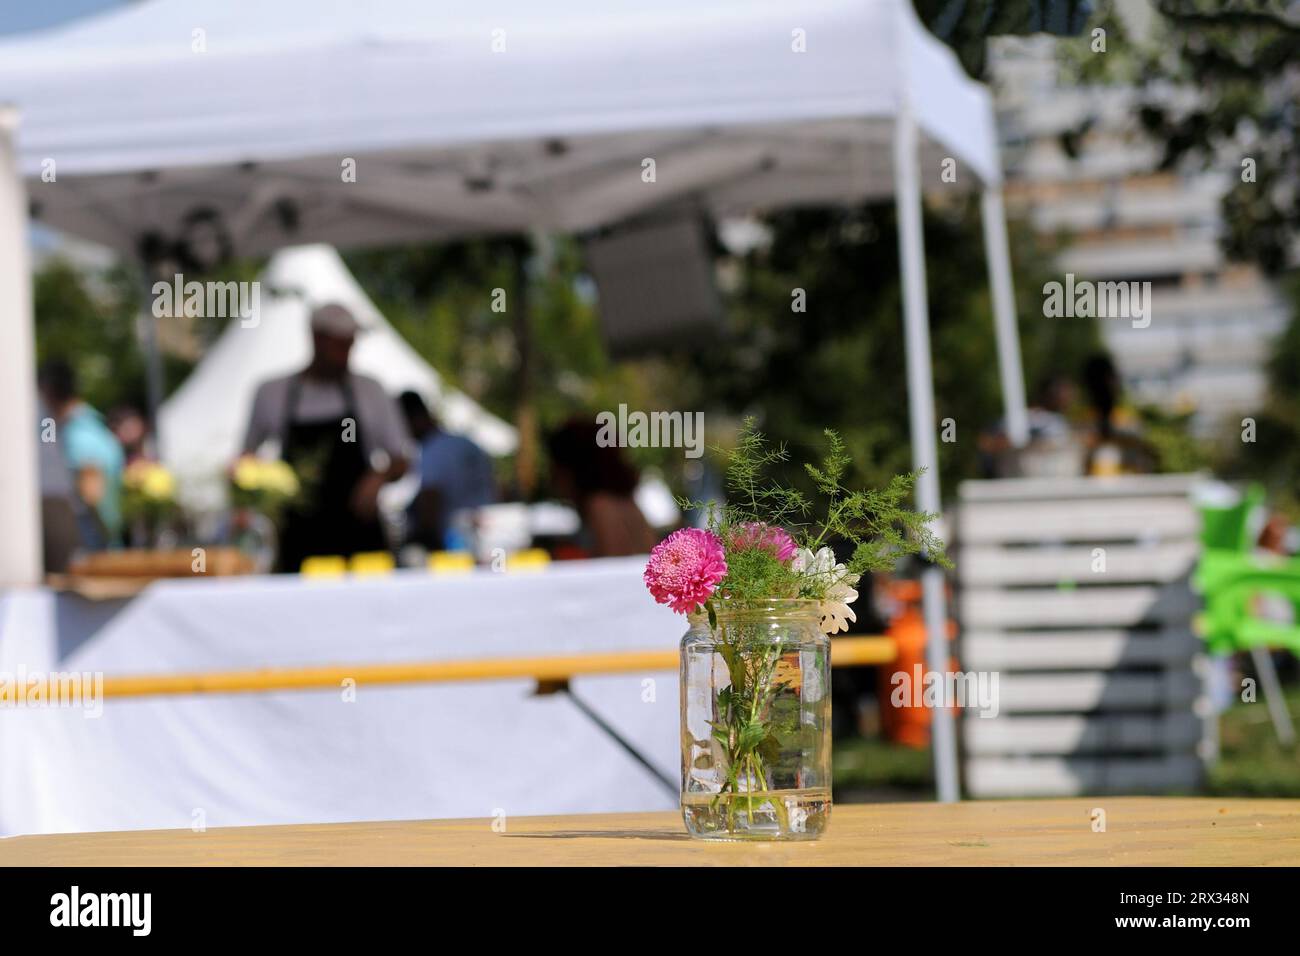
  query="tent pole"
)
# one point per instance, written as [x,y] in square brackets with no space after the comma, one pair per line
[526,453]
[152,355]
[20,544]
[1004,316]
[920,400]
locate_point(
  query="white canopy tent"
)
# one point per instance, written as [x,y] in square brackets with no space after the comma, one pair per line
[20,512]
[202,424]
[504,117]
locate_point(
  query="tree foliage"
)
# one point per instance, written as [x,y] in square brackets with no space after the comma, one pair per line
[966,25]
[89,320]
[444,299]
[1217,86]
[840,364]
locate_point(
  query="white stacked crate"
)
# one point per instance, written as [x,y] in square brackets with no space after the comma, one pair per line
[1098,669]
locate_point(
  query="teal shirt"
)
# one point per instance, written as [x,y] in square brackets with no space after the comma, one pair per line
[87,443]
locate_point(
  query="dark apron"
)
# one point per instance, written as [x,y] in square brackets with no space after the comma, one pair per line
[329,468]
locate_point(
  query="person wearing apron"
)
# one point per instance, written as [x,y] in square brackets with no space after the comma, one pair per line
[342,435]
[325,520]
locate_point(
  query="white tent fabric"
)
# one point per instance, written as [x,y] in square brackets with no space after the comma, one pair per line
[412,751]
[20,561]
[201,426]
[540,115]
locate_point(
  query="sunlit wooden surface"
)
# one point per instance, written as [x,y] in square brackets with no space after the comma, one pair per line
[1138,831]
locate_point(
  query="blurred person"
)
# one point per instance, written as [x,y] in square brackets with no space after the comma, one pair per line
[91,454]
[1277,536]
[455,476]
[1102,389]
[1113,432]
[132,432]
[60,531]
[1049,413]
[1052,448]
[344,438]
[601,484]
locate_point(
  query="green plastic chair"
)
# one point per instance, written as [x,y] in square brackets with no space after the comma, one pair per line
[1228,529]
[1229,576]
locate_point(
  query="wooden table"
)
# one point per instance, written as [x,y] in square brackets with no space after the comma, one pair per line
[1139,831]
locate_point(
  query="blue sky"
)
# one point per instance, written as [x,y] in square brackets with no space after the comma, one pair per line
[20,15]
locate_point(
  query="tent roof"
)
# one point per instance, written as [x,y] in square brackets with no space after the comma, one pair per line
[450,137]
[201,426]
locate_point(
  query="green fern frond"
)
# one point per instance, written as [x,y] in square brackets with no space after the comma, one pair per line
[877,522]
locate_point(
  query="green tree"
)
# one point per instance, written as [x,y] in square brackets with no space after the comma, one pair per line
[1266,445]
[440,298]
[459,304]
[1216,84]
[89,320]
[840,364]
[967,25]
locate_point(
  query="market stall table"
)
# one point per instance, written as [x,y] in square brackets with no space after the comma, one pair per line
[1140,831]
[362,748]
[255,700]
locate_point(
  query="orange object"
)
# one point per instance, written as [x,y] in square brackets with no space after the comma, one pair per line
[907,725]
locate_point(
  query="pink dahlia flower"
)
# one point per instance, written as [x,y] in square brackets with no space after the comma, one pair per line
[755,534]
[684,569]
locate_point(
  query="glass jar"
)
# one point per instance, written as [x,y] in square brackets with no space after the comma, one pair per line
[756,738]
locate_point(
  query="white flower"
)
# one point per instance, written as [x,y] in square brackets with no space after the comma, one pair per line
[837,584]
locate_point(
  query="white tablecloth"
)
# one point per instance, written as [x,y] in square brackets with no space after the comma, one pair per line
[483,749]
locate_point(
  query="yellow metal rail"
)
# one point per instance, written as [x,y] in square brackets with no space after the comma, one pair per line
[845,652]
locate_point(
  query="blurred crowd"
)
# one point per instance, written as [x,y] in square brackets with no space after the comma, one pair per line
[346,440]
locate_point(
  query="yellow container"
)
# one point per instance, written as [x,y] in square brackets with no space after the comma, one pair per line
[451,562]
[370,563]
[324,566]
[530,559]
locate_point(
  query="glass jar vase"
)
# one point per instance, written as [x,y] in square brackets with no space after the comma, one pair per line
[756,738]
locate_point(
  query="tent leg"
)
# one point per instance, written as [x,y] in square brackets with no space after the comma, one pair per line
[1004,317]
[525,401]
[152,355]
[20,544]
[1273,696]
[920,399]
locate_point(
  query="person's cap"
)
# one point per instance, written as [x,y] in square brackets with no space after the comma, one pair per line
[334,319]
